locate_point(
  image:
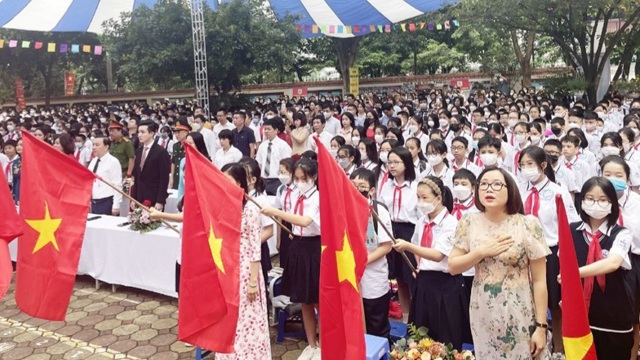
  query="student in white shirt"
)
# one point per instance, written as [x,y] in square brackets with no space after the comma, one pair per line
[271,151]
[227,153]
[415,148]
[539,198]
[439,302]
[332,124]
[368,154]
[564,177]
[164,140]
[374,283]
[520,143]
[414,129]
[631,155]
[325,137]
[105,200]
[348,159]
[572,161]
[284,201]
[438,163]
[301,277]
[612,145]
[459,149]
[82,153]
[383,173]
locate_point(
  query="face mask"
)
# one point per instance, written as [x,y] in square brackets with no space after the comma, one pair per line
[626,147]
[379,139]
[434,160]
[412,129]
[384,156]
[600,129]
[474,145]
[355,140]
[455,127]
[635,131]
[461,192]
[270,117]
[423,106]
[164,135]
[196,126]
[365,194]
[595,211]
[618,184]
[535,139]
[10,128]
[486,115]
[543,114]
[284,178]
[425,208]
[430,123]
[363,155]
[444,123]
[78,146]
[610,150]
[531,174]
[327,115]
[344,163]
[304,186]
[512,122]
[103,120]
[600,114]
[556,131]
[333,152]
[553,158]
[573,126]
[590,127]
[489,159]
[521,138]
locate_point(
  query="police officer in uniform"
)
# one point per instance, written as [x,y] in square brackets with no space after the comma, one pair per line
[121,148]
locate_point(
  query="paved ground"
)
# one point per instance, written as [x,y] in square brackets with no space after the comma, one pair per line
[126,324]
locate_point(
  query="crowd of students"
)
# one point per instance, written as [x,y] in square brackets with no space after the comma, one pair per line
[465,182]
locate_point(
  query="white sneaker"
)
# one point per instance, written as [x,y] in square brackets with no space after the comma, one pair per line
[307,354]
[317,356]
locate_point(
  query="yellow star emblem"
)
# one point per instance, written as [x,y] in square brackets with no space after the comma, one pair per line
[215,244]
[346,263]
[46,229]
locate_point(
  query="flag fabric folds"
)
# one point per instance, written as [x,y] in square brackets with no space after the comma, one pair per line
[10,228]
[209,276]
[345,214]
[55,194]
[576,334]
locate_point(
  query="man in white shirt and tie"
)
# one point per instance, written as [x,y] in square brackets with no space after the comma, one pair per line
[271,151]
[105,200]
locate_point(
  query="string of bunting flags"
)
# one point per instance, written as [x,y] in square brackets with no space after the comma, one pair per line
[53,47]
[363,29]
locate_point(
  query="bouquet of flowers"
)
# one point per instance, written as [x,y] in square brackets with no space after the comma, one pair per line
[420,346]
[140,220]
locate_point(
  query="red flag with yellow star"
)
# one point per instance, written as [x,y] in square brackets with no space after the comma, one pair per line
[576,333]
[55,195]
[10,228]
[344,215]
[209,275]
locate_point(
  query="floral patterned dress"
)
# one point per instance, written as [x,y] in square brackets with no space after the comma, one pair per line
[502,309]
[252,334]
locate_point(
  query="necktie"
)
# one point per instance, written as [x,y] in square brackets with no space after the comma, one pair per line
[569,165]
[299,209]
[511,140]
[595,254]
[385,178]
[478,162]
[145,150]
[78,155]
[287,200]
[267,162]
[7,169]
[620,218]
[164,143]
[397,192]
[515,161]
[95,167]
[458,208]
[532,205]
[427,235]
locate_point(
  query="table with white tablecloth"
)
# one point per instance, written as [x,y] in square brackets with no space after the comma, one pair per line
[171,205]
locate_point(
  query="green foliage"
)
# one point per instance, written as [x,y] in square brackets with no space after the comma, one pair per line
[565,84]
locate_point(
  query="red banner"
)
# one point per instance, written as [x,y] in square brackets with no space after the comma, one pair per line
[69,84]
[22,102]
[463,84]
[300,91]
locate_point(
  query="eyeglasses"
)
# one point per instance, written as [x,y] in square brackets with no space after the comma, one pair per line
[457,148]
[394,163]
[495,186]
[552,153]
[601,203]
[363,189]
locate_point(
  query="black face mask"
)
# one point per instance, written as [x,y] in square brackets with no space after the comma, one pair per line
[634,111]
[556,131]
[365,193]
[553,158]
[454,127]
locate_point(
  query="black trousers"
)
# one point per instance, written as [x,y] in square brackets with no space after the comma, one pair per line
[102,206]
[612,346]
[272,185]
[177,278]
[376,316]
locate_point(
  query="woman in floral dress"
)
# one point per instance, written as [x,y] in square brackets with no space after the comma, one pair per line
[508,309]
[252,333]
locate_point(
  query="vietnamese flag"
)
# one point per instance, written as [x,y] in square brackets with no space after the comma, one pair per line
[345,215]
[209,277]
[55,195]
[10,228]
[576,334]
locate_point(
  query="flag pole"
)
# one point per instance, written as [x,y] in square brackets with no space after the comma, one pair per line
[136,202]
[393,239]
[271,217]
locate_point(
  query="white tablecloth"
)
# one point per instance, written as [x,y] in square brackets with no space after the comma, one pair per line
[170,207]
[117,255]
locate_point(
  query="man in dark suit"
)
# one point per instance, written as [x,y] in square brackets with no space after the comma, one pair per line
[152,168]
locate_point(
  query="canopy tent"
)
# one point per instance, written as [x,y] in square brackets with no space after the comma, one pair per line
[352,13]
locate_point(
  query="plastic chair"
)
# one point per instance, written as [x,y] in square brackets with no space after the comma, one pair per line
[398,330]
[377,347]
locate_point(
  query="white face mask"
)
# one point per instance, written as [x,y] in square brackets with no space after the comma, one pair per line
[595,211]
[543,114]
[196,126]
[10,128]
[573,126]
[635,131]
[333,152]
[425,208]
[384,156]
[327,115]
[379,138]
[489,159]
[444,123]
[626,147]
[434,160]
[270,117]
[344,163]
[355,141]
[521,138]
[610,150]
[363,155]
[412,129]
[461,192]
[512,122]
[284,178]
[531,174]
[304,186]
[535,139]
[430,123]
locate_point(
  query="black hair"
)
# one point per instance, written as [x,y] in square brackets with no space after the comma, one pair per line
[339,139]
[440,190]
[371,149]
[631,136]
[352,119]
[308,166]
[514,200]
[253,170]
[367,121]
[571,139]
[461,139]
[616,160]
[288,164]
[608,189]
[538,155]
[418,145]
[489,141]
[615,138]
[351,152]
[397,133]
[407,160]
[238,172]
[198,140]
[226,134]
[366,175]
[309,154]
[465,174]
[584,143]
[441,147]
[319,117]
[553,142]
[151,126]
[498,129]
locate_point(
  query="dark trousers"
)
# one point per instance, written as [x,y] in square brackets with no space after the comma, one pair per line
[177,277]
[272,185]
[376,316]
[612,346]
[102,206]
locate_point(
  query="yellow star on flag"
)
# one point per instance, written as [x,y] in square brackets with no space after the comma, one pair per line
[46,229]
[346,263]
[215,244]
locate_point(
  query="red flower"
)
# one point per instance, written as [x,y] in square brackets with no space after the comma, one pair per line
[146,203]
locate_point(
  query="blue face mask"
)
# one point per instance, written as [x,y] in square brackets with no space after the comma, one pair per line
[618,184]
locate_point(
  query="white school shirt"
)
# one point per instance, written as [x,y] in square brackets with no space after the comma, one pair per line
[284,202]
[621,244]
[222,158]
[405,210]
[446,175]
[547,213]
[443,232]
[467,164]
[332,126]
[581,170]
[210,140]
[168,144]
[630,207]
[110,170]
[369,165]
[263,200]
[375,283]
[311,208]
[325,139]
[565,178]
[470,210]
[279,150]
[85,155]
[633,157]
